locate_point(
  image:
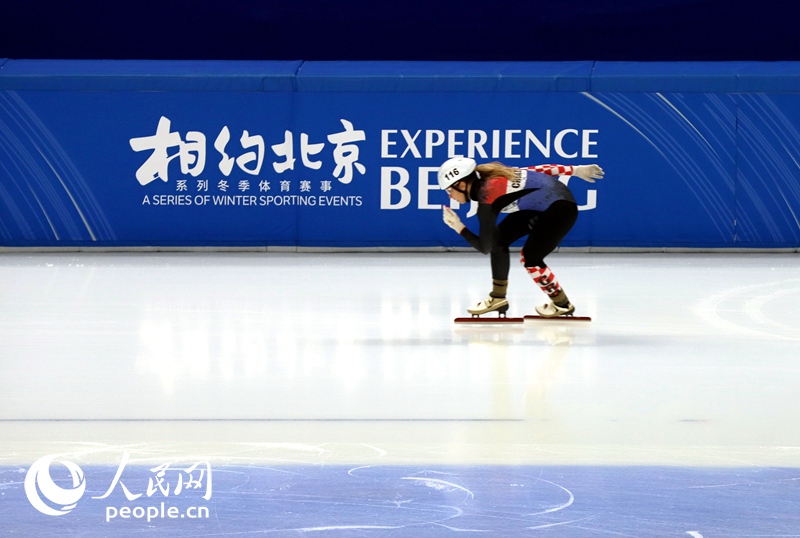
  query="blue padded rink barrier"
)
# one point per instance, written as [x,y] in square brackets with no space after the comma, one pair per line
[285,394]
[302,154]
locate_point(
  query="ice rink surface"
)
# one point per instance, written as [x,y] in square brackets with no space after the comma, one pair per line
[331,394]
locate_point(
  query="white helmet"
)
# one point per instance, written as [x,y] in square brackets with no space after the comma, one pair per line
[454,170]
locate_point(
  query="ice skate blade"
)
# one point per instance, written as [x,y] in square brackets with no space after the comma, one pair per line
[560,318]
[502,319]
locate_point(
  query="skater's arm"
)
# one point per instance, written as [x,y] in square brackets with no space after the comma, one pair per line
[587,172]
[552,169]
[487,219]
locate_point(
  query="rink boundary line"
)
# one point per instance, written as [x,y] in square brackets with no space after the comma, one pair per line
[353,453]
[327,250]
[18,420]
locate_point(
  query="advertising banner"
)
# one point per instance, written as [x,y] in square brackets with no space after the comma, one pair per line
[358,168]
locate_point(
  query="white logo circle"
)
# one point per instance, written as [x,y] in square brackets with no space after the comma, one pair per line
[38,481]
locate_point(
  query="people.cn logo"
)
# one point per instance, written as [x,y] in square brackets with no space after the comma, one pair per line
[48,497]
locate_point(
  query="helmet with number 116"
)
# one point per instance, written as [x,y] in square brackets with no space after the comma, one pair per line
[454,170]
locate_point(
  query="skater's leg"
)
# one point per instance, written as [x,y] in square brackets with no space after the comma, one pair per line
[548,283]
[510,229]
[547,229]
[496,302]
[500,266]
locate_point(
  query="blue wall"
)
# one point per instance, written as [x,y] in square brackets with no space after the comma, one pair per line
[343,154]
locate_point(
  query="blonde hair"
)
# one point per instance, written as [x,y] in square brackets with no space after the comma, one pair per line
[497,169]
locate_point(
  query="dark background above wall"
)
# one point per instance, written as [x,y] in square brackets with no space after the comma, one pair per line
[546,30]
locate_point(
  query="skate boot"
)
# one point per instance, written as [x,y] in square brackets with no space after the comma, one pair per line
[490,304]
[552,310]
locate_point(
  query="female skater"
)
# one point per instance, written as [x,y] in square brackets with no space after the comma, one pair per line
[538,205]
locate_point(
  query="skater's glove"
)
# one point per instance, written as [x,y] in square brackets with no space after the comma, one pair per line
[588,172]
[451,219]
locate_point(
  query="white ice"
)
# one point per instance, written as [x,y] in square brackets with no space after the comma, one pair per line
[691,359]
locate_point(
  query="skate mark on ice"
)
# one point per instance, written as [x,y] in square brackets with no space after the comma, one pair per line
[555,508]
[350,472]
[438,484]
[548,525]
